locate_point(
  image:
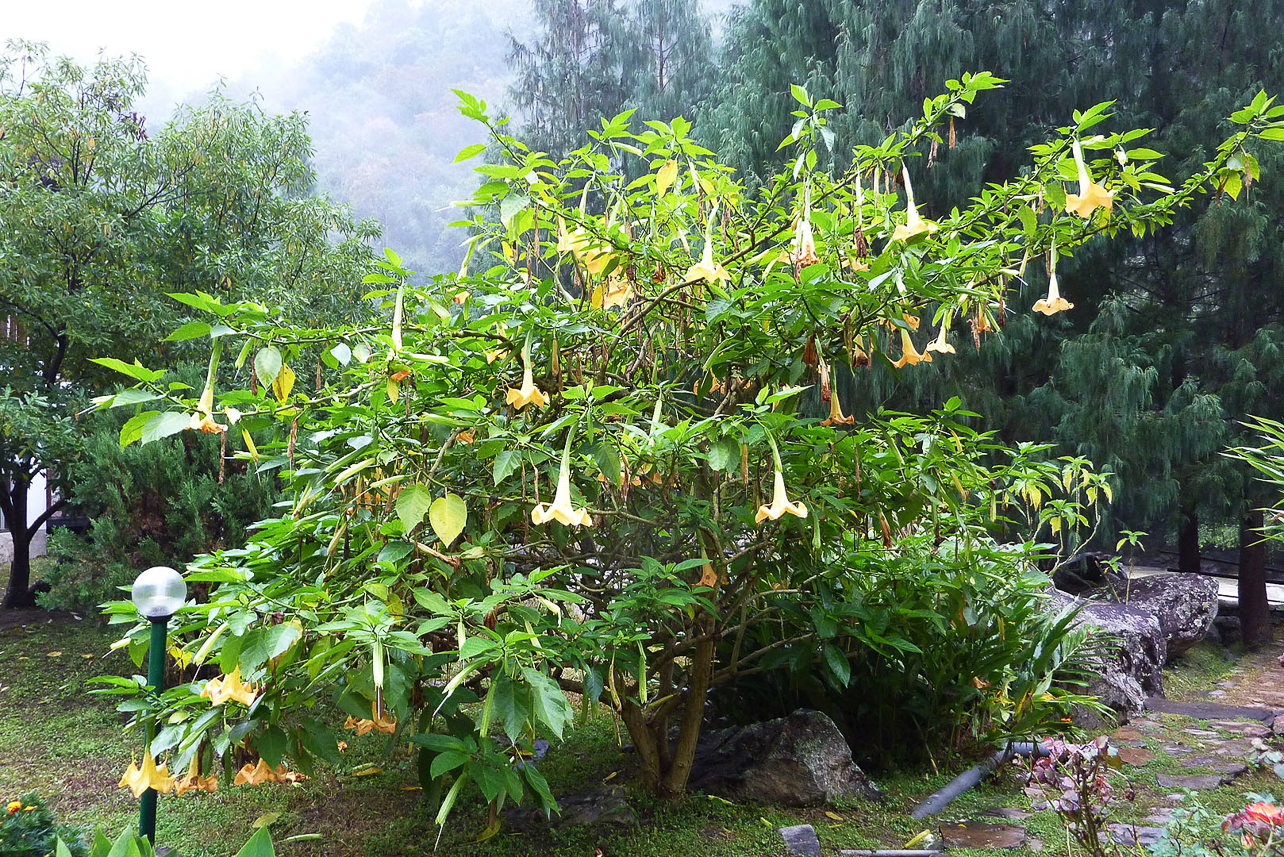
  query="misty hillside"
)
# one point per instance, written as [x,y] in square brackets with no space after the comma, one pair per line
[384,124]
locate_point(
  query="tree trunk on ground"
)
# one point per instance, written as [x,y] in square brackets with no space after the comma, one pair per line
[1188,540]
[1254,609]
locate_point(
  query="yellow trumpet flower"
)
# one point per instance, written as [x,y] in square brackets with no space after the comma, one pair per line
[561,509]
[220,690]
[617,291]
[380,721]
[1053,303]
[149,776]
[939,345]
[914,226]
[579,244]
[706,269]
[780,503]
[253,775]
[1091,195]
[193,781]
[528,393]
[909,355]
[836,416]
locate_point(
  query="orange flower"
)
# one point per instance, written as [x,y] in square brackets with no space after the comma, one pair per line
[14,806]
[909,355]
[193,781]
[253,775]
[1267,812]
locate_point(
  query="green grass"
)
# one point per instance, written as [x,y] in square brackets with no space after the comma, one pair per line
[1197,670]
[68,746]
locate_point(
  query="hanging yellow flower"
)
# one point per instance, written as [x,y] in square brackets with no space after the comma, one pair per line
[193,781]
[380,721]
[580,245]
[617,291]
[528,393]
[1091,195]
[914,226]
[253,775]
[780,503]
[939,345]
[836,417]
[560,509]
[706,269]
[220,690]
[1053,303]
[909,355]
[149,776]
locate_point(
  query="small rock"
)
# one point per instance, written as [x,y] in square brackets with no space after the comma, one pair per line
[1277,725]
[1177,749]
[801,839]
[1241,727]
[1011,813]
[1175,798]
[1127,733]
[605,807]
[1035,845]
[1216,694]
[1136,755]
[1208,781]
[978,834]
[1200,733]
[1161,816]
[1130,834]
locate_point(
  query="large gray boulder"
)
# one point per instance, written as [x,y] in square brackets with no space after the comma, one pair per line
[1146,621]
[1184,604]
[1131,651]
[800,760]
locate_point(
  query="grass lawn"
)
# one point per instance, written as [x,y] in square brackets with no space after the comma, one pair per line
[67,745]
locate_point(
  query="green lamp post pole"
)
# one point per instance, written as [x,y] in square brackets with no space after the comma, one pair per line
[158,593]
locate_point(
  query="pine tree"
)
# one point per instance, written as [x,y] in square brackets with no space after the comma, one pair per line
[1172,338]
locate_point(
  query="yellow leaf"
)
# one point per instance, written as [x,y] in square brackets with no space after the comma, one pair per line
[249,444]
[55,654]
[283,383]
[448,515]
[610,776]
[394,390]
[665,177]
[835,816]
[368,771]
[265,819]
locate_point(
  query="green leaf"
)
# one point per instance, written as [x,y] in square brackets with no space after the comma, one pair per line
[512,705]
[412,505]
[1273,134]
[470,152]
[191,330]
[838,663]
[800,95]
[125,845]
[724,455]
[510,206]
[447,761]
[263,644]
[505,463]
[548,701]
[163,425]
[448,517]
[132,430]
[271,745]
[267,364]
[133,397]
[135,371]
[260,845]
[608,461]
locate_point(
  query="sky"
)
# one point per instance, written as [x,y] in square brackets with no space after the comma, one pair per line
[187,45]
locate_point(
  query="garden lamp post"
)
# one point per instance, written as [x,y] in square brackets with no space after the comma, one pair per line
[157,593]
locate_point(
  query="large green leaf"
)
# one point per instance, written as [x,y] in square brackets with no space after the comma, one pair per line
[548,701]
[260,845]
[413,505]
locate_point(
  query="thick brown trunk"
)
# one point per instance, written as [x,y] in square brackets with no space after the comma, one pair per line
[1254,609]
[644,744]
[698,676]
[1188,540]
[18,595]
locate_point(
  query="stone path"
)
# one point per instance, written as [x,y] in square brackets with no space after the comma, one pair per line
[1163,752]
